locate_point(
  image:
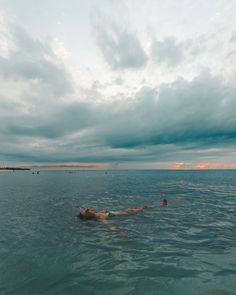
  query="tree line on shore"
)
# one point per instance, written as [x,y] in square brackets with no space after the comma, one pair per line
[14,168]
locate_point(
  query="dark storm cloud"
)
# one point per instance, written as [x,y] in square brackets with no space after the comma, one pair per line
[174,122]
[52,124]
[202,110]
[119,46]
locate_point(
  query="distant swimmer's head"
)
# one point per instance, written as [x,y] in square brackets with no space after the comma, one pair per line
[164,202]
[88,213]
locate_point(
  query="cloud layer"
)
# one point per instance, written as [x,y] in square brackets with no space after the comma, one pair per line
[119,45]
[47,116]
[167,52]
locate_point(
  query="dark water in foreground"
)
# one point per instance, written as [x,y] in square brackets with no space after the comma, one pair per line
[187,248]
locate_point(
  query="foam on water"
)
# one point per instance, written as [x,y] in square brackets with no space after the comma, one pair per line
[187,248]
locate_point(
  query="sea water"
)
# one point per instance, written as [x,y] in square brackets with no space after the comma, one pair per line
[188,247]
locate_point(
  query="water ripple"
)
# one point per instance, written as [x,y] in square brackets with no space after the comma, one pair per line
[187,248]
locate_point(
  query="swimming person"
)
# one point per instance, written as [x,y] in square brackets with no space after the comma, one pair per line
[90,213]
[164,202]
[102,216]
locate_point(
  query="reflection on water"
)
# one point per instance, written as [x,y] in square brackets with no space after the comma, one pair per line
[188,247]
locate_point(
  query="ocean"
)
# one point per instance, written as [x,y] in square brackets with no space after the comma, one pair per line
[188,247]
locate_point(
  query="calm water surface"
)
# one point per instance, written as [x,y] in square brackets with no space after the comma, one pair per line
[187,248]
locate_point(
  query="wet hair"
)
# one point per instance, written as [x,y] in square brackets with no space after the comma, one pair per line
[164,202]
[87,214]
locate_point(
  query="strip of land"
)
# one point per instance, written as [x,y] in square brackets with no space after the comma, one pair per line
[14,168]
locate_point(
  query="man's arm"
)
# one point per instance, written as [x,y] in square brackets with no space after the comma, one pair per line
[130,210]
[113,228]
[139,208]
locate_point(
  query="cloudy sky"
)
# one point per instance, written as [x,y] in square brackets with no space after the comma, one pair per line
[118,84]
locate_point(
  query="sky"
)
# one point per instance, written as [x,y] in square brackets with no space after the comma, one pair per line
[105,84]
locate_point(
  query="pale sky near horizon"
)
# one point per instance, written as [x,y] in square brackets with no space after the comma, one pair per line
[118,84]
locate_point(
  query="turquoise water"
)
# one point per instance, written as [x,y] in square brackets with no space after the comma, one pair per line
[187,248]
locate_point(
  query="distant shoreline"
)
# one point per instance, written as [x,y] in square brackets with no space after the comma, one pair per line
[13,168]
[38,168]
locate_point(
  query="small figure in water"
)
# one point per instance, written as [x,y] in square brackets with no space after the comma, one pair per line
[90,213]
[164,202]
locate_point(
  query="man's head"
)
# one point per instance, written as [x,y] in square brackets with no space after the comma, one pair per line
[164,202]
[88,213]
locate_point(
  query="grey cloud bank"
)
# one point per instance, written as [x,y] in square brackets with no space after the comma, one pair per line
[46,115]
[201,111]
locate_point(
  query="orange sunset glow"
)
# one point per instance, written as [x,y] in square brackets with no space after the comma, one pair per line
[201,166]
